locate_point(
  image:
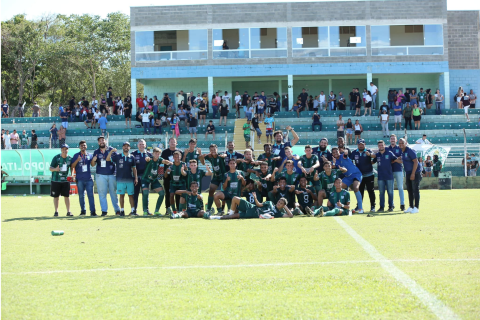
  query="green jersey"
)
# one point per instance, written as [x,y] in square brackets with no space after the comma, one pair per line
[267,185]
[267,159]
[285,193]
[234,186]
[422,96]
[308,163]
[23,138]
[304,198]
[197,176]
[292,178]
[218,166]
[437,165]
[247,131]
[269,208]
[327,182]
[64,165]
[343,196]
[193,202]
[177,179]
[244,166]
[191,156]
[151,173]
[248,195]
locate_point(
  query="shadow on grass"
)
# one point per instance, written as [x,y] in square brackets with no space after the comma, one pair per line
[111,217]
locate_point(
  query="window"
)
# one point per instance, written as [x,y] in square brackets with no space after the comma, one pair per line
[236,43]
[407,40]
[171,45]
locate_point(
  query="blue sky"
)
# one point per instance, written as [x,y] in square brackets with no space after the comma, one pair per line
[36,8]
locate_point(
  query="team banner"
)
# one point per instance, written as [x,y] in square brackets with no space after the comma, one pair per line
[425,150]
[30,161]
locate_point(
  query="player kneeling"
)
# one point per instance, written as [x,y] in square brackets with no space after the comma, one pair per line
[305,198]
[194,202]
[242,209]
[338,203]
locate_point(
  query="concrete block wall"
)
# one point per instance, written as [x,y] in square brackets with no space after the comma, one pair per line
[425,81]
[463,39]
[468,79]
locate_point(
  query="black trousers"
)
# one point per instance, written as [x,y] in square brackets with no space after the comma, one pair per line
[413,188]
[137,190]
[408,122]
[368,182]
[166,186]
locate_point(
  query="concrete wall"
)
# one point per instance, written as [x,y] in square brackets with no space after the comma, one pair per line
[387,81]
[463,39]
[468,79]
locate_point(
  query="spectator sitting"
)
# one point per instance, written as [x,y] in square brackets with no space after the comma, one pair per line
[316,120]
[157,126]
[103,124]
[62,135]
[272,106]
[192,126]
[34,144]
[89,119]
[210,130]
[5,109]
[182,114]
[53,136]
[297,107]
[170,110]
[473,165]
[35,110]
[423,140]
[174,120]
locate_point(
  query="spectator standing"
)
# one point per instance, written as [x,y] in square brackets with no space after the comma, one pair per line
[3,138]
[473,99]
[272,106]
[14,139]
[145,121]
[392,98]
[340,127]
[110,100]
[192,126]
[238,103]
[24,140]
[260,109]
[103,104]
[401,98]
[358,131]
[180,98]
[20,110]
[103,124]
[81,163]
[223,113]
[227,97]
[255,126]
[322,102]
[245,104]
[270,127]
[216,100]
[438,101]
[413,176]
[5,109]
[7,137]
[316,121]
[353,99]
[97,115]
[364,94]
[368,104]
[34,144]
[341,101]
[414,98]
[35,110]
[140,105]
[466,105]
[332,100]
[246,133]
[250,111]
[407,96]
[174,124]
[459,98]
[303,98]
[202,113]
[127,111]
[349,131]
[64,118]
[397,110]
[417,116]
[437,165]
[408,115]
[373,91]
[53,136]
[428,98]
[94,104]
[473,165]
[384,117]
[62,135]
[428,166]
[119,106]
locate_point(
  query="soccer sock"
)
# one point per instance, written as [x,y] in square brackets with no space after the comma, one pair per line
[230,212]
[133,209]
[359,200]
[174,207]
[332,212]
[121,210]
[210,202]
[161,195]
[182,206]
[145,200]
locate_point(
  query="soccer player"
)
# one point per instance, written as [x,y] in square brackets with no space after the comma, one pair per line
[412,174]
[150,179]
[176,172]
[338,203]
[269,157]
[246,210]
[326,182]
[194,201]
[290,156]
[385,159]
[353,176]
[233,183]
[142,156]
[308,164]
[250,189]
[264,179]
[192,153]
[83,177]
[397,169]
[290,174]
[247,163]
[305,197]
[231,153]
[60,186]
[126,175]
[282,190]
[363,160]
[278,148]
[218,165]
[322,153]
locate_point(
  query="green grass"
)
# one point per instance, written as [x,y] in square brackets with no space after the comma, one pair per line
[147,267]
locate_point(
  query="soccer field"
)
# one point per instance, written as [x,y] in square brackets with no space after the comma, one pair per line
[390,266]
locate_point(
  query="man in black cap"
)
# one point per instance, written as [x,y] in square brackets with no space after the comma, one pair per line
[60,186]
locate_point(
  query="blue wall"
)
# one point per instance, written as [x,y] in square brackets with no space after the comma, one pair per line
[468,79]
[286,69]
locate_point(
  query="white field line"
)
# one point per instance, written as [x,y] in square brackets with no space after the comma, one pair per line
[279,264]
[429,300]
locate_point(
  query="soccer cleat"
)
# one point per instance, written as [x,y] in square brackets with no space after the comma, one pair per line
[220,212]
[265,216]
[297,212]
[175,216]
[157,213]
[56,214]
[83,213]
[320,213]
[145,213]
[402,207]
[169,212]
[69,214]
[409,210]
[133,214]
[104,213]
[381,210]
[308,212]
[211,212]
[414,210]
[93,214]
[206,215]
[390,209]
[122,213]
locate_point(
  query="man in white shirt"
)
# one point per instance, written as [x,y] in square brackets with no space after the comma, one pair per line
[180,98]
[473,99]
[97,116]
[94,104]
[238,102]
[321,101]
[423,140]
[227,98]
[373,91]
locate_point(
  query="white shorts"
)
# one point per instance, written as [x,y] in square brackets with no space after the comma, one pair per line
[398,118]
[466,109]
[459,99]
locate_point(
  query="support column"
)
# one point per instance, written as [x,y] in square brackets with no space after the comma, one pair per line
[280,87]
[133,94]
[210,90]
[446,89]
[369,79]
[290,91]
[330,88]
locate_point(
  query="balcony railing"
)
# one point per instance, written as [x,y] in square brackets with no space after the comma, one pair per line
[171,55]
[407,50]
[329,52]
[250,53]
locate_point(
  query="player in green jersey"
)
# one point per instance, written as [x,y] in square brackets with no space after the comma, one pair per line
[264,178]
[194,201]
[232,187]
[194,174]
[177,173]
[192,153]
[282,190]
[248,162]
[308,163]
[338,203]
[242,209]
[250,189]
[150,179]
[218,164]
[325,182]
[290,174]
[305,197]
[60,186]
[269,157]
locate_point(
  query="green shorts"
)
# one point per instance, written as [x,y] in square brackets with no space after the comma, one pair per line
[193,213]
[247,137]
[153,184]
[176,188]
[216,181]
[228,195]
[247,210]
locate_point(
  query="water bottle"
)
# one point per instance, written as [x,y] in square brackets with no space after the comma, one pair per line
[57,233]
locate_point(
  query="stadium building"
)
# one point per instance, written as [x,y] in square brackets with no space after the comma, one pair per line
[284,47]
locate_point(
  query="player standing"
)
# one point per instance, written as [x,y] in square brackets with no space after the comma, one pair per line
[59,185]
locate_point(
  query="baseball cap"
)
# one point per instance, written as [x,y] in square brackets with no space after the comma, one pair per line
[361,141]
[126,143]
[64,146]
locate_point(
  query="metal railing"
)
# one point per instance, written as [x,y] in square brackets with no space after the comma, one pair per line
[171,55]
[407,50]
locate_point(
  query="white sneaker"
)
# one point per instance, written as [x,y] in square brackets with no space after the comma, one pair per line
[414,210]
[409,210]
[265,216]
